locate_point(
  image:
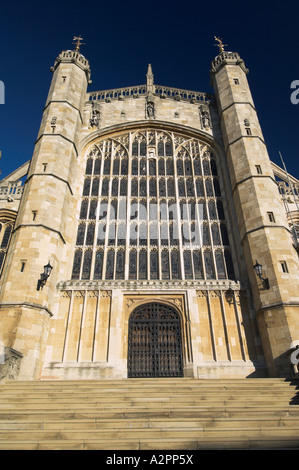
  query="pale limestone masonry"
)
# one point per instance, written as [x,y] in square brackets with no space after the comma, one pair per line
[146,145]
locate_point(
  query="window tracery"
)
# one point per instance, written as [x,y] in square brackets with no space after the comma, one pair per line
[6,228]
[151,208]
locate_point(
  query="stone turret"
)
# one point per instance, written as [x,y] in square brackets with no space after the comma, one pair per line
[263,227]
[43,229]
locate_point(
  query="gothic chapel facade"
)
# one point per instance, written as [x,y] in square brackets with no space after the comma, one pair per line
[152,205]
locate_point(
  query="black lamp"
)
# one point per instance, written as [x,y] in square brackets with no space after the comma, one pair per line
[44,276]
[259,272]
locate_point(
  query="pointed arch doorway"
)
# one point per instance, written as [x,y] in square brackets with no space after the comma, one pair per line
[155,342]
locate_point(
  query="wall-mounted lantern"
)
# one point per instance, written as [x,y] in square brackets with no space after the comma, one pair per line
[259,272]
[44,276]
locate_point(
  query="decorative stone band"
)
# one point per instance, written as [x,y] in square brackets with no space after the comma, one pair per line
[158,90]
[152,284]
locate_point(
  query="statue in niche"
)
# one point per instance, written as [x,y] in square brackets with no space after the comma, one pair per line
[205,117]
[95,116]
[150,109]
[151,152]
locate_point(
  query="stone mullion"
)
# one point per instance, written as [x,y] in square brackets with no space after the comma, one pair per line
[202,221]
[148,225]
[106,245]
[218,225]
[210,199]
[179,221]
[194,190]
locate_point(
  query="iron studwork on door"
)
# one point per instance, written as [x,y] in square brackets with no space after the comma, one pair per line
[155,343]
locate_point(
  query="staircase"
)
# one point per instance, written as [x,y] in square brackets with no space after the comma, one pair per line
[148,414]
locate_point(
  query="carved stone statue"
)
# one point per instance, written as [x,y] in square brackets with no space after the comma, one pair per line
[95,116]
[150,109]
[205,117]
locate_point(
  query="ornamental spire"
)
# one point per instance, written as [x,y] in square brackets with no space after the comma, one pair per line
[150,79]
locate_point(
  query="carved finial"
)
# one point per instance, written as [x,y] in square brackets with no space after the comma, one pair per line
[220,44]
[78,41]
[150,79]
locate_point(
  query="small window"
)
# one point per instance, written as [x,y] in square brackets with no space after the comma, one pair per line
[23,263]
[248,131]
[258,169]
[284,267]
[34,214]
[236,81]
[271,216]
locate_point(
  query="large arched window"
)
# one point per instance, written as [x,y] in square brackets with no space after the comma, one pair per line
[152,208]
[6,228]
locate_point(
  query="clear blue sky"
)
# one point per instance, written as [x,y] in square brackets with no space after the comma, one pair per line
[123,37]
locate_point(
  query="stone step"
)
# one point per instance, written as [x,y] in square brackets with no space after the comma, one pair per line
[130,405]
[95,397]
[148,433]
[147,382]
[149,414]
[142,423]
[204,443]
[141,390]
[159,384]
[153,412]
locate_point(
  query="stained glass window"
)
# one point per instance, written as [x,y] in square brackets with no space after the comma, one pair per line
[80,234]
[216,235]
[197,166]
[95,187]
[188,265]
[83,211]
[220,264]
[98,267]
[156,175]
[97,167]
[142,264]
[210,272]
[197,262]
[154,264]
[110,264]
[133,264]
[86,187]
[120,264]
[89,164]
[93,209]
[90,234]
[165,264]
[77,264]
[175,265]
[86,264]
